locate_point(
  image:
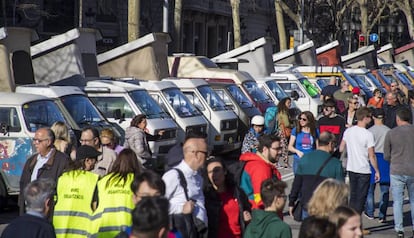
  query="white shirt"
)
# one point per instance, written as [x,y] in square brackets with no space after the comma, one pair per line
[175,192]
[358,140]
[39,164]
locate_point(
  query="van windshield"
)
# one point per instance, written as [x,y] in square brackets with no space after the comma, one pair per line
[239,96]
[83,111]
[147,104]
[211,97]
[276,90]
[42,113]
[180,103]
[257,94]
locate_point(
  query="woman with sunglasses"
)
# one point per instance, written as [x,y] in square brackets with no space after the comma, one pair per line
[303,138]
[228,208]
[349,114]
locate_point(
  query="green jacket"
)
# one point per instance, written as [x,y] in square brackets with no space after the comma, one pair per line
[266,224]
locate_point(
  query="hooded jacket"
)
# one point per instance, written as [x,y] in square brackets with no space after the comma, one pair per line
[255,171]
[267,224]
[135,139]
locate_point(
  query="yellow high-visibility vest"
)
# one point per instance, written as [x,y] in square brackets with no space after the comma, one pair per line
[113,213]
[73,212]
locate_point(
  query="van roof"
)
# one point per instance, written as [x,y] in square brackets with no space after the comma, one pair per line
[157,85]
[111,85]
[186,82]
[49,91]
[12,99]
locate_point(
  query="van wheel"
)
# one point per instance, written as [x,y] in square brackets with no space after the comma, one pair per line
[3,195]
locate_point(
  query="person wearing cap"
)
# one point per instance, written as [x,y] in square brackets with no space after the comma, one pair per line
[356,91]
[331,121]
[75,195]
[250,141]
[379,130]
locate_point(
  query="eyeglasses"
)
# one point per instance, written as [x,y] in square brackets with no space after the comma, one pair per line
[109,144]
[86,140]
[303,119]
[35,140]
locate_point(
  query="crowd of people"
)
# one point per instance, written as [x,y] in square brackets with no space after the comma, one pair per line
[102,189]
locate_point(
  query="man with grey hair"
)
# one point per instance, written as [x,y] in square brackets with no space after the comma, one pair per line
[38,196]
[392,104]
[47,162]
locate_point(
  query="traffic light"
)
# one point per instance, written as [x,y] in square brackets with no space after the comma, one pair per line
[361,40]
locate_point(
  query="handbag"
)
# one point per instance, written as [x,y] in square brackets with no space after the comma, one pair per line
[187,224]
[298,206]
[285,130]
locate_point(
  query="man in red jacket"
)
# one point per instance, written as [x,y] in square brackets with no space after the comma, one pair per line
[260,166]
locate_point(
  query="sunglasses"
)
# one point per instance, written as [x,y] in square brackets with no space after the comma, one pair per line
[303,119]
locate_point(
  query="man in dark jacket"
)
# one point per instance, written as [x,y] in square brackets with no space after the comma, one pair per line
[306,180]
[267,223]
[46,163]
[34,224]
[390,109]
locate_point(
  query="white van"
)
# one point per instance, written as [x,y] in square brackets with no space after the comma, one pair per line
[20,116]
[77,108]
[237,100]
[173,101]
[121,101]
[291,84]
[222,133]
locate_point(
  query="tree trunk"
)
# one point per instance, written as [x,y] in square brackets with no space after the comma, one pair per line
[235,11]
[133,19]
[364,19]
[177,24]
[280,26]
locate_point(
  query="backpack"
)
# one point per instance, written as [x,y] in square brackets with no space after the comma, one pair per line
[235,169]
[271,124]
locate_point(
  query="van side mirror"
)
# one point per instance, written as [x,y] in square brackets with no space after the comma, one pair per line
[294,95]
[118,115]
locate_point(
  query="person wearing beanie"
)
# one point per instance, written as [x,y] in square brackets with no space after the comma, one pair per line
[76,194]
[250,141]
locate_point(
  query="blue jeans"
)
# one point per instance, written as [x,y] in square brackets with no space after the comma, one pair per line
[383,203]
[296,160]
[358,184]
[398,184]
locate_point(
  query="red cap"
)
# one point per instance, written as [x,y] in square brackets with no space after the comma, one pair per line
[355,90]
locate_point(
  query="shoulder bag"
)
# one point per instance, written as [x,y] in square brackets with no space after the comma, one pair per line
[298,207]
[187,224]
